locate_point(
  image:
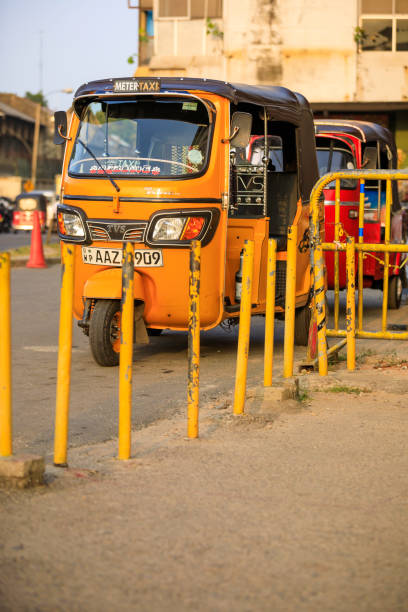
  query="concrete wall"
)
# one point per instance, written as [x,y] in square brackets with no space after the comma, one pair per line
[306,45]
[10,186]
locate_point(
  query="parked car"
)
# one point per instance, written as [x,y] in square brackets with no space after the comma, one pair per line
[6,214]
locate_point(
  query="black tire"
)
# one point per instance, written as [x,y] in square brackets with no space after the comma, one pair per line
[104,332]
[303,317]
[394,292]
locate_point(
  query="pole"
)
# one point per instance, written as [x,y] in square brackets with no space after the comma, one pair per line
[64,357]
[244,328]
[290,300]
[360,255]
[6,444]
[126,351]
[35,144]
[336,255]
[193,388]
[351,304]
[270,312]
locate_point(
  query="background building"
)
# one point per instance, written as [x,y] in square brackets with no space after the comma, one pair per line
[349,58]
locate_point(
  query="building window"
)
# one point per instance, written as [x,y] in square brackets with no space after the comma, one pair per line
[384,25]
[190,9]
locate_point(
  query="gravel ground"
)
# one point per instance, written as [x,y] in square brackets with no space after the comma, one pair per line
[297,505]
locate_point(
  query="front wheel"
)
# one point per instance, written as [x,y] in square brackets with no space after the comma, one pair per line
[104,332]
[394,292]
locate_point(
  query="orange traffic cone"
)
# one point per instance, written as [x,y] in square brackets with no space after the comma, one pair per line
[36,252]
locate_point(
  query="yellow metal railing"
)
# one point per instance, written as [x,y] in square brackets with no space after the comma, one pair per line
[317,248]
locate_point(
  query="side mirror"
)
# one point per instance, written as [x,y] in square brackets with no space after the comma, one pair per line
[60,127]
[241,126]
[370,158]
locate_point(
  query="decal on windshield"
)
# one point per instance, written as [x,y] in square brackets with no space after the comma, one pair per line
[125,167]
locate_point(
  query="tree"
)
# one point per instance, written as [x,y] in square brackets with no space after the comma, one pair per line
[37,97]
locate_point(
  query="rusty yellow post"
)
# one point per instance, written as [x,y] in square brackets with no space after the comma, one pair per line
[193,390]
[351,304]
[64,356]
[126,351]
[320,294]
[244,328]
[387,235]
[360,254]
[6,436]
[290,300]
[270,312]
[336,255]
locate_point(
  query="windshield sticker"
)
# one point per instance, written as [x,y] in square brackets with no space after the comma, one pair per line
[195,156]
[190,106]
[124,166]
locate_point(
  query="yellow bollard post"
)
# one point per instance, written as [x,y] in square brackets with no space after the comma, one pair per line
[336,255]
[126,351]
[360,254]
[387,235]
[290,300]
[320,294]
[351,304]
[270,312]
[64,356]
[6,436]
[194,341]
[244,328]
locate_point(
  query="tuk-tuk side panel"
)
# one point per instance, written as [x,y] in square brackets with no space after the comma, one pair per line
[239,230]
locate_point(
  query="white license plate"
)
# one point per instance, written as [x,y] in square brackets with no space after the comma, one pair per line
[144,258]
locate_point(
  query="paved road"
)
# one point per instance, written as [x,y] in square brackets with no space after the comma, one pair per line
[21,238]
[160,370]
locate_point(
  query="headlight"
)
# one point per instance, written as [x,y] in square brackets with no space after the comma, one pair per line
[70,224]
[169,228]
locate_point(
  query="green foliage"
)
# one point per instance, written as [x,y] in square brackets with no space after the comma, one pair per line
[213,29]
[303,396]
[359,35]
[38,98]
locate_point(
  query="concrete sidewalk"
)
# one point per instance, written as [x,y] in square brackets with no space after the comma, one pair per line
[297,505]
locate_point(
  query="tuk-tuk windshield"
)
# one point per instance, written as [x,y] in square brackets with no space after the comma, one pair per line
[153,138]
[332,159]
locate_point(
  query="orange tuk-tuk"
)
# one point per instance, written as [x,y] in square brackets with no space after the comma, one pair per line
[160,162]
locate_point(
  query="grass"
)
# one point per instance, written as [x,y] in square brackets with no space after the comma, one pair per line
[345,389]
[49,249]
[303,396]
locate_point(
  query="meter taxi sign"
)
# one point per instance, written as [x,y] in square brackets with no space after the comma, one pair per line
[136,85]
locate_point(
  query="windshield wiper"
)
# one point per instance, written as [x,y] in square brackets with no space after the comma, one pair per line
[116,186]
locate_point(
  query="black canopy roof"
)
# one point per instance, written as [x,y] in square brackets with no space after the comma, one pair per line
[282,104]
[363,130]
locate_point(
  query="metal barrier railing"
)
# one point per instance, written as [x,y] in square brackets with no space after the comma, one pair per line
[317,248]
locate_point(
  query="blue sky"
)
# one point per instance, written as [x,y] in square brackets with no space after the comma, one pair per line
[82,40]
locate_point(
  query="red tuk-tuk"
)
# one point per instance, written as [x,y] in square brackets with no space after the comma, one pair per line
[359,145]
[26,204]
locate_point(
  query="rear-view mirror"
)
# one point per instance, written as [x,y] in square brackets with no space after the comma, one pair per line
[370,158]
[60,127]
[241,126]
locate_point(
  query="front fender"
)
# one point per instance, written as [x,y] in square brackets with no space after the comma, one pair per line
[107,284]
